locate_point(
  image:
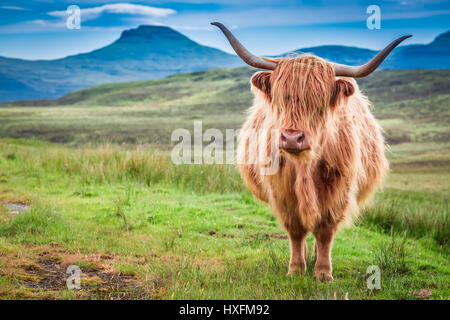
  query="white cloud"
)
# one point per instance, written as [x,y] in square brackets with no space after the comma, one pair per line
[121,8]
[12,8]
[45,23]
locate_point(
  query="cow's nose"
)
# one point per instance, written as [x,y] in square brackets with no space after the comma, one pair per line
[293,141]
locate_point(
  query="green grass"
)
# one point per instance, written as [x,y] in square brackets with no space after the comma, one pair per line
[153,222]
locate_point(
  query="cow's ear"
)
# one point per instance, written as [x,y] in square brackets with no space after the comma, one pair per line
[261,80]
[342,90]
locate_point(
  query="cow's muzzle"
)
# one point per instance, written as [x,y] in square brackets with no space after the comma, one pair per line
[294,141]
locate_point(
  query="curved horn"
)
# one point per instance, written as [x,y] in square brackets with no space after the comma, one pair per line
[369,67]
[248,57]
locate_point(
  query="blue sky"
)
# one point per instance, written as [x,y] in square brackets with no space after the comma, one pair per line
[37,29]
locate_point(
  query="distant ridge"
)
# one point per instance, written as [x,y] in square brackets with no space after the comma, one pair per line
[435,55]
[155,52]
[146,52]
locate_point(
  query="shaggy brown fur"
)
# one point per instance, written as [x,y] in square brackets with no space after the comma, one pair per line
[321,188]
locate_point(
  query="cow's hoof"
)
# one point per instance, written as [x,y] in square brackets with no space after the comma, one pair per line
[297,269]
[323,276]
[295,272]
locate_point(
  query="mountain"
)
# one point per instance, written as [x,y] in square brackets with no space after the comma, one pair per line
[434,55]
[339,54]
[155,52]
[147,52]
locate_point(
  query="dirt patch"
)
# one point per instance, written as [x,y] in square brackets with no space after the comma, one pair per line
[16,208]
[45,271]
[96,284]
[424,293]
[276,236]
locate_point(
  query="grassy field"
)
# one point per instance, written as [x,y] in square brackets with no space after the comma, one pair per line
[412,105]
[141,227]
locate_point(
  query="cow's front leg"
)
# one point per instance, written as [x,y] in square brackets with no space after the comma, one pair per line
[297,263]
[324,235]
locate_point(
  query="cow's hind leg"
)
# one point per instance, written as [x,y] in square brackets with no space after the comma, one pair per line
[324,235]
[297,263]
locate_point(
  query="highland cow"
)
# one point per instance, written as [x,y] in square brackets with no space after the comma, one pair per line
[330,147]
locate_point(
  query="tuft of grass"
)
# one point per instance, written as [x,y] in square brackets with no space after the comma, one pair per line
[391,256]
[417,221]
[120,213]
[36,223]
[110,163]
